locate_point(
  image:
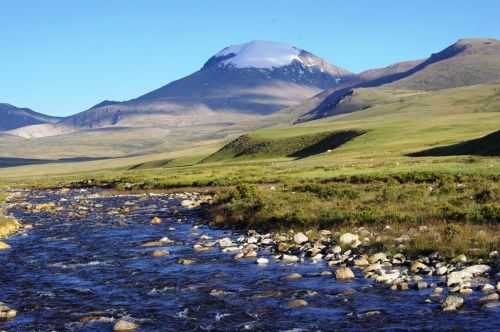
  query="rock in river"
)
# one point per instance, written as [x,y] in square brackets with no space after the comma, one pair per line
[344,273]
[6,312]
[297,303]
[123,325]
[452,303]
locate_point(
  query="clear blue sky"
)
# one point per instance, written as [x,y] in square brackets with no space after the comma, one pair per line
[61,57]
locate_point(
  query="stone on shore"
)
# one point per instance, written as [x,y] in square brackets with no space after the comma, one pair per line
[348,239]
[300,238]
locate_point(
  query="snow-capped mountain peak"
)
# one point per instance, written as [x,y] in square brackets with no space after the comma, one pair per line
[259,54]
[276,58]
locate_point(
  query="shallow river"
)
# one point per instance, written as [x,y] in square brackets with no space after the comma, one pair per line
[83,267]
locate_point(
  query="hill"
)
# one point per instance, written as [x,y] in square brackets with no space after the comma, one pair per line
[466,62]
[12,117]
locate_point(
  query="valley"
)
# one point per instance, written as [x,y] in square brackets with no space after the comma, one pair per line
[369,198]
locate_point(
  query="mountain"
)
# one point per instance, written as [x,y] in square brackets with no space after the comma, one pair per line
[466,62]
[397,68]
[12,117]
[237,83]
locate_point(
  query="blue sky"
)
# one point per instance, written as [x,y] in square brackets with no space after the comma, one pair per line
[61,57]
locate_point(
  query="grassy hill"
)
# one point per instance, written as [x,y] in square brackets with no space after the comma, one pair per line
[281,145]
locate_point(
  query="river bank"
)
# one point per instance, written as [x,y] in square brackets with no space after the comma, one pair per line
[166,238]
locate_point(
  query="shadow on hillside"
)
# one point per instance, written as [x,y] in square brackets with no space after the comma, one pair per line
[331,142]
[485,146]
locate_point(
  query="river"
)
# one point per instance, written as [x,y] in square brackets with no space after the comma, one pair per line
[83,266]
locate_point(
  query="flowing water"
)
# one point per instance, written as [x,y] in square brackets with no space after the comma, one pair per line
[83,267]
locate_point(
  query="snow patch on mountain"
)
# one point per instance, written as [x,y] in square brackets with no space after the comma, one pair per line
[260,54]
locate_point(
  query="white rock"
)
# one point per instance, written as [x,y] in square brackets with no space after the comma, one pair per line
[452,303]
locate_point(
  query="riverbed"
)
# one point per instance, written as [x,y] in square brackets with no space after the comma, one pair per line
[84,265]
